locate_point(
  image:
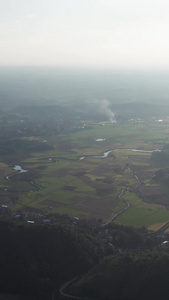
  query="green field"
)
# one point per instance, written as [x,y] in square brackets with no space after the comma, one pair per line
[72,178]
[142,214]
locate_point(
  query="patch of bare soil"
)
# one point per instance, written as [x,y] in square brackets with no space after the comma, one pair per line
[139,158]
[68,188]
[8,198]
[103,191]
[80,173]
[108,180]
[105,168]
[66,146]
[89,162]
[99,186]
[100,208]
[138,168]
[150,190]
[63,172]
[142,172]
[53,174]
[154,195]
[30,209]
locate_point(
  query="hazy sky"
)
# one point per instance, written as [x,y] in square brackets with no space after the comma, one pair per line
[85,33]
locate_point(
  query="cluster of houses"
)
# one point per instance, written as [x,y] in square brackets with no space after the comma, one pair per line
[105,237]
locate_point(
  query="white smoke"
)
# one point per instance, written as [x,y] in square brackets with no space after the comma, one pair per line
[105,109]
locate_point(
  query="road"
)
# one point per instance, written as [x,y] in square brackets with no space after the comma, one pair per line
[122,192]
[65,295]
[114,216]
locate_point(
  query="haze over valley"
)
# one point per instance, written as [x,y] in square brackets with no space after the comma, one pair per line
[33,85]
[84,150]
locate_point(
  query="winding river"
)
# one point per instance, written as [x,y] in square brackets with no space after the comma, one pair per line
[19,169]
[16,168]
[105,154]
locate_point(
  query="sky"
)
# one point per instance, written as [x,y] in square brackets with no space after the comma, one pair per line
[118,34]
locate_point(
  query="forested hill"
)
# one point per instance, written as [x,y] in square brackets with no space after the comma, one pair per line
[127,276]
[161,158]
[36,259]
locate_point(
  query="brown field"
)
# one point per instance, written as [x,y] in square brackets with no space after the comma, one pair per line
[57,180]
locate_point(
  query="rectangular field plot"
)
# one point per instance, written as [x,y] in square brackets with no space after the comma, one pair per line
[140,217]
[86,171]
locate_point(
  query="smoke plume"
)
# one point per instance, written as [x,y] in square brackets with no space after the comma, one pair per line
[105,109]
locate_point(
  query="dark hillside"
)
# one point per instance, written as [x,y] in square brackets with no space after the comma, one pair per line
[37,259]
[127,276]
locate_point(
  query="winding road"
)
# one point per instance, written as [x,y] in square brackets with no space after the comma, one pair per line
[111,218]
[65,295]
[114,216]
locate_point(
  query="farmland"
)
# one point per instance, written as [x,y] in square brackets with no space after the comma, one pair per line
[83,171]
